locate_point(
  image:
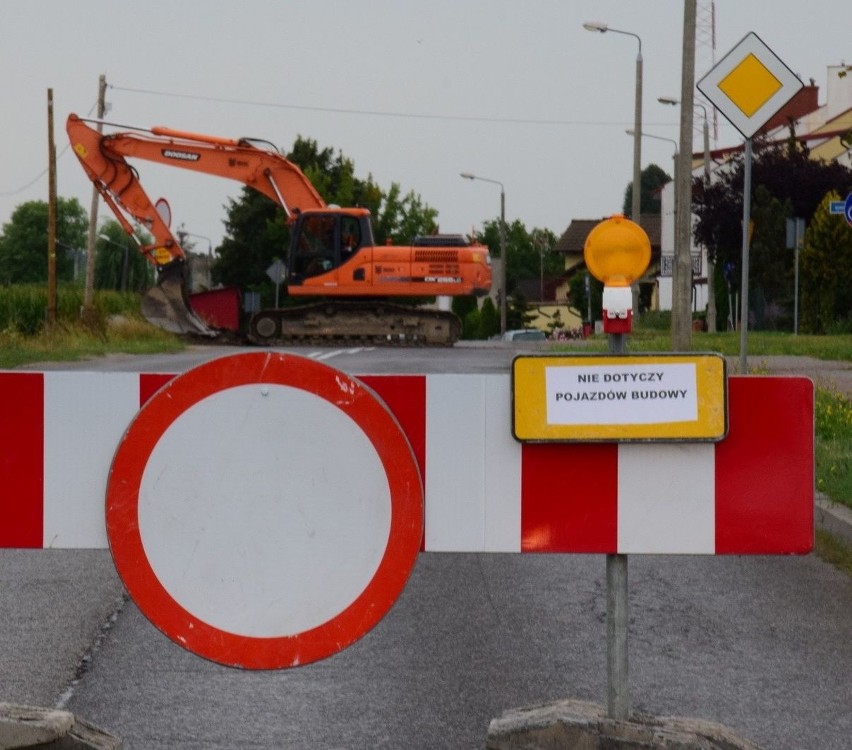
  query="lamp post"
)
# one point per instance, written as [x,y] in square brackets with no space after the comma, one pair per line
[501,290]
[711,281]
[637,116]
[636,193]
[674,180]
[182,233]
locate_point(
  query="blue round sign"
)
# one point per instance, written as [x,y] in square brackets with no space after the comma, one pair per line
[847,209]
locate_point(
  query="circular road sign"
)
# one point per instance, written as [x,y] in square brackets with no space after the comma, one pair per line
[264,510]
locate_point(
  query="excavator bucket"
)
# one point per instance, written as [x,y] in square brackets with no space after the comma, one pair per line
[166,304]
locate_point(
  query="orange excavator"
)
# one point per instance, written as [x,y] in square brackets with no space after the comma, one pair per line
[332,257]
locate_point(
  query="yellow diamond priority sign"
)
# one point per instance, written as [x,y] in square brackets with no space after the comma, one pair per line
[749,85]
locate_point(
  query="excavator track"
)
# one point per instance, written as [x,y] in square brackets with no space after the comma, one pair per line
[378,323]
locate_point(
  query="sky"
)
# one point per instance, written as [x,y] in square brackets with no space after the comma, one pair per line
[413,92]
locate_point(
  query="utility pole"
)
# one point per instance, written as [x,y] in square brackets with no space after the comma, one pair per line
[682,271]
[51,215]
[88,313]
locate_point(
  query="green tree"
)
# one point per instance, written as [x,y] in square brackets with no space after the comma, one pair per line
[23,244]
[826,272]
[652,178]
[402,217]
[257,231]
[786,183]
[489,320]
[118,261]
[525,249]
[255,234]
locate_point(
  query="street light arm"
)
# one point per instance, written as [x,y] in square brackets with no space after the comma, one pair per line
[632,132]
[471,176]
[603,28]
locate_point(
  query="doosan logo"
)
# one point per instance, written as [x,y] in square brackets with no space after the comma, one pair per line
[171,153]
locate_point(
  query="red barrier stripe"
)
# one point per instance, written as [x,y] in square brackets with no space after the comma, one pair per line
[21,459]
[570,497]
[405,396]
[764,468]
[150,383]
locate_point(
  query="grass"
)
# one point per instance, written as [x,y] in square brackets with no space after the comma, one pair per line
[116,326]
[833,418]
[834,551]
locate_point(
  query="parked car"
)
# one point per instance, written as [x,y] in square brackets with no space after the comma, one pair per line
[526,334]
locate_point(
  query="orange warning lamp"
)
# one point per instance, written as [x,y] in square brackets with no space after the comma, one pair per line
[617,252]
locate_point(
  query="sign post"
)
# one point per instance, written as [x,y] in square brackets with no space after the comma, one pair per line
[617,252]
[748,86]
[276,273]
[618,398]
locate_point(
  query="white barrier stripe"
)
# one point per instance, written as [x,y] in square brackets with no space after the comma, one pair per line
[672,508]
[472,466]
[455,445]
[502,479]
[85,415]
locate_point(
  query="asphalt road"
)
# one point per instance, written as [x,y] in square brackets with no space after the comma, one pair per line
[760,644]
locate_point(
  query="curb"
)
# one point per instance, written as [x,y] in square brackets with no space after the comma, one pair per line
[580,724]
[833,517]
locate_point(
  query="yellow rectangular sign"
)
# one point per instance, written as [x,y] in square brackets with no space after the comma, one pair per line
[619,398]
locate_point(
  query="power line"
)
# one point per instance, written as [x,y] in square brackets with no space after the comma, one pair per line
[368,112]
[17,191]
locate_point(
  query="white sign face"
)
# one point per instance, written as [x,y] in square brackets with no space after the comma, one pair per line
[621,394]
[749,85]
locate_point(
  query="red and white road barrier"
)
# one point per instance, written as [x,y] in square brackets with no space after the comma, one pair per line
[751,493]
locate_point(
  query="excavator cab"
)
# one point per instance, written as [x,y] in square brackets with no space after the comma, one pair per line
[323,240]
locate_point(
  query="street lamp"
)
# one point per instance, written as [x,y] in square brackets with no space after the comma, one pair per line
[637,116]
[674,157]
[501,289]
[208,280]
[711,282]
[671,101]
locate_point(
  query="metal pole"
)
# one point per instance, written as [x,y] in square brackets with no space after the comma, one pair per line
[503,263]
[617,666]
[51,216]
[617,615]
[711,266]
[88,312]
[636,205]
[799,236]
[744,281]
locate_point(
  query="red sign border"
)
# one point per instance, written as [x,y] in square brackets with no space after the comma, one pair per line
[344,392]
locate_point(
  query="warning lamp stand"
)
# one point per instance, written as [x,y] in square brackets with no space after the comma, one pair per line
[617,252]
[617,606]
